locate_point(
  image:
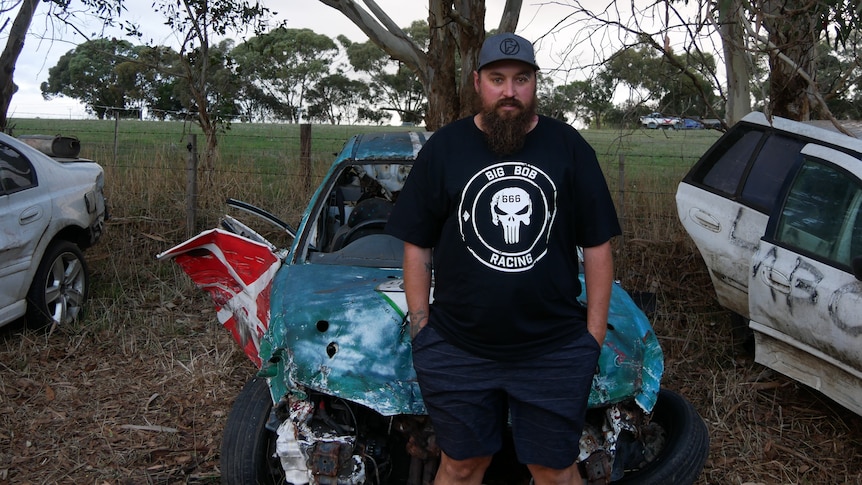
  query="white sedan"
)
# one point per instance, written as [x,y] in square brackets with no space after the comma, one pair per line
[51,209]
[774,209]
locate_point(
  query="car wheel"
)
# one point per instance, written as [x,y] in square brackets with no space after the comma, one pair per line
[685,445]
[59,286]
[247,445]
[652,126]
[741,332]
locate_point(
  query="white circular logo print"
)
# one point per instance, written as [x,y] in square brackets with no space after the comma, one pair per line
[505,215]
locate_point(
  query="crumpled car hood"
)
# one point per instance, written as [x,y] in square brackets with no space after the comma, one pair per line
[338,330]
[331,330]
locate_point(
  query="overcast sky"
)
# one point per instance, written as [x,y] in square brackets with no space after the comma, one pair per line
[44,45]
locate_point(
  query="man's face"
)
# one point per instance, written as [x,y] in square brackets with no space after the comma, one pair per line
[506,87]
[507,92]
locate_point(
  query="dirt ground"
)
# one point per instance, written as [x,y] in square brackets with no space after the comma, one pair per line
[138,392]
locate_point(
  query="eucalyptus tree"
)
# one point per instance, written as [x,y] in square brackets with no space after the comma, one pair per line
[456,33]
[781,35]
[197,24]
[92,74]
[336,99]
[284,64]
[62,11]
[393,85]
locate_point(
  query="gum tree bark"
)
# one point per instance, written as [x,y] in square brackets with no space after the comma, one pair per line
[444,69]
[14,45]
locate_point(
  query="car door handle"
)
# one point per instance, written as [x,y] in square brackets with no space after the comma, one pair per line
[29,215]
[776,279]
[704,219]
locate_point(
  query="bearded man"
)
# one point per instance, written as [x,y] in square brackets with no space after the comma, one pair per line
[496,205]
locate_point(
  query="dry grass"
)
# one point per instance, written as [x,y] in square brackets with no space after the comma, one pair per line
[139,391]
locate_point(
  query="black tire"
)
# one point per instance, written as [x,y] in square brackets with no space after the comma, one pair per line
[60,286]
[247,445]
[742,334]
[686,444]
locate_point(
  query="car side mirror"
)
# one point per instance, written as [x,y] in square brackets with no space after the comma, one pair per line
[857,267]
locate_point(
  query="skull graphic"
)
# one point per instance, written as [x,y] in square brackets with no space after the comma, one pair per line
[511,207]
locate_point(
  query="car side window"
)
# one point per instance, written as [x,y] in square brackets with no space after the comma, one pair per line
[821,215]
[769,170]
[16,172]
[724,170]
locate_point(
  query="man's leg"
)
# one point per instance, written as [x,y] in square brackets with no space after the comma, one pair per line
[551,476]
[461,472]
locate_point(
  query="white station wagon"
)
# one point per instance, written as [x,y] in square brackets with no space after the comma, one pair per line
[774,209]
[51,209]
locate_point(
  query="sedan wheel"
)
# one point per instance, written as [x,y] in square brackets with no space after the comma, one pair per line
[59,287]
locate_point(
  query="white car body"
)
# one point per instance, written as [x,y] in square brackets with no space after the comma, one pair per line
[774,209]
[658,120]
[44,202]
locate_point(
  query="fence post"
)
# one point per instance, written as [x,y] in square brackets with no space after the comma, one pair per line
[305,154]
[191,185]
[622,190]
[116,136]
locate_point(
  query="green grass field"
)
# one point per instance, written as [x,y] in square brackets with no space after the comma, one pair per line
[145,164]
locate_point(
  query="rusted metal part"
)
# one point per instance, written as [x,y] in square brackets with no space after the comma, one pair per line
[54,146]
[598,468]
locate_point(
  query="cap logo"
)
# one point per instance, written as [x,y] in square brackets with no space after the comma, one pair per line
[509,47]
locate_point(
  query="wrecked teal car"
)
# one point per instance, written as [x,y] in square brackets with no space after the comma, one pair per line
[335,398]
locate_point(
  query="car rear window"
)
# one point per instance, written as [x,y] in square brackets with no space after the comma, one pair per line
[16,173]
[749,165]
[724,168]
[774,160]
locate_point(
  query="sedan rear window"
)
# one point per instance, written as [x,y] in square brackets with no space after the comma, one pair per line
[16,173]
[778,155]
[724,169]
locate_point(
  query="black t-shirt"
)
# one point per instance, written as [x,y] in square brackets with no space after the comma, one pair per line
[504,234]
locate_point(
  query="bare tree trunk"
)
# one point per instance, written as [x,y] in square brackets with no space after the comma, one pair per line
[440,86]
[456,27]
[470,38]
[791,33]
[738,62]
[14,45]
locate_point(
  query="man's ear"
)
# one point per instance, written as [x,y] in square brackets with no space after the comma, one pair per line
[476,81]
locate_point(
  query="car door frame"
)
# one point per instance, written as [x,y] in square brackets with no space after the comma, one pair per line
[26,214]
[804,306]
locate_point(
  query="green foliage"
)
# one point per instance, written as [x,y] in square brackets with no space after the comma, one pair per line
[336,99]
[669,83]
[283,65]
[97,72]
[392,84]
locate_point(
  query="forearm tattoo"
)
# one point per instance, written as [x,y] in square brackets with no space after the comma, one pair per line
[417,321]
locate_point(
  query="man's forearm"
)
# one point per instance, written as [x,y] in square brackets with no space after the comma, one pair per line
[417,285]
[599,276]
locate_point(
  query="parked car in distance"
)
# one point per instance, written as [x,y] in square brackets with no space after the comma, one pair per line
[658,120]
[774,209]
[689,124]
[51,210]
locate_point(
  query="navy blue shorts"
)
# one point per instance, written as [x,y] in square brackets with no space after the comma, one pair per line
[468,398]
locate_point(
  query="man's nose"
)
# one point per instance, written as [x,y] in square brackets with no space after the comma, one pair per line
[508,89]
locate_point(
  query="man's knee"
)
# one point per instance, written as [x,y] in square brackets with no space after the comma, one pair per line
[552,476]
[464,470]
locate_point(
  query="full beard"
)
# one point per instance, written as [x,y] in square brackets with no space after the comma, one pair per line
[507,133]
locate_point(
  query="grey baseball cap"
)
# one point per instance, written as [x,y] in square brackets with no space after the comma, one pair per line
[506,46]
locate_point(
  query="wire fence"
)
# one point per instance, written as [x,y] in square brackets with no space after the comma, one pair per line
[277,166]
